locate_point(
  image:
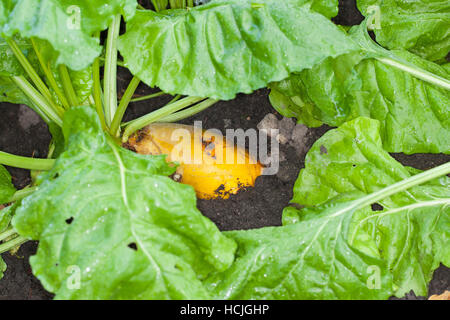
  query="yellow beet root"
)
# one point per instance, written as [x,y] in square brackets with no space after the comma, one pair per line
[214,167]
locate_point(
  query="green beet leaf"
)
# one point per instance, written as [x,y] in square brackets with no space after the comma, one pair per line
[81,80]
[67,25]
[6,215]
[10,66]
[9,92]
[160,4]
[421,27]
[82,84]
[225,47]
[5,218]
[307,260]
[112,225]
[414,114]
[329,8]
[409,230]
[6,187]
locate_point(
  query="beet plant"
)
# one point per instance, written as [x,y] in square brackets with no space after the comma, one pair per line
[113,224]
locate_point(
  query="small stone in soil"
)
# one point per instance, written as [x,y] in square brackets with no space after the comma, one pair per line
[227,123]
[286,126]
[299,139]
[269,122]
[27,117]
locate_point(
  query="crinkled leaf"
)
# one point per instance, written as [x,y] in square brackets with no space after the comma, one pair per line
[116,218]
[414,115]
[5,217]
[329,8]
[290,104]
[350,161]
[308,260]
[9,92]
[421,27]
[9,65]
[81,80]
[446,66]
[226,47]
[68,25]
[6,187]
[346,159]
[82,84]
[160,4]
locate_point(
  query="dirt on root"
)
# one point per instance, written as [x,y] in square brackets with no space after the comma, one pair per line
[24,134]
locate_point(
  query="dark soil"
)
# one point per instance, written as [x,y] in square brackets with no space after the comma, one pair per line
[22,134]
[349,14]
